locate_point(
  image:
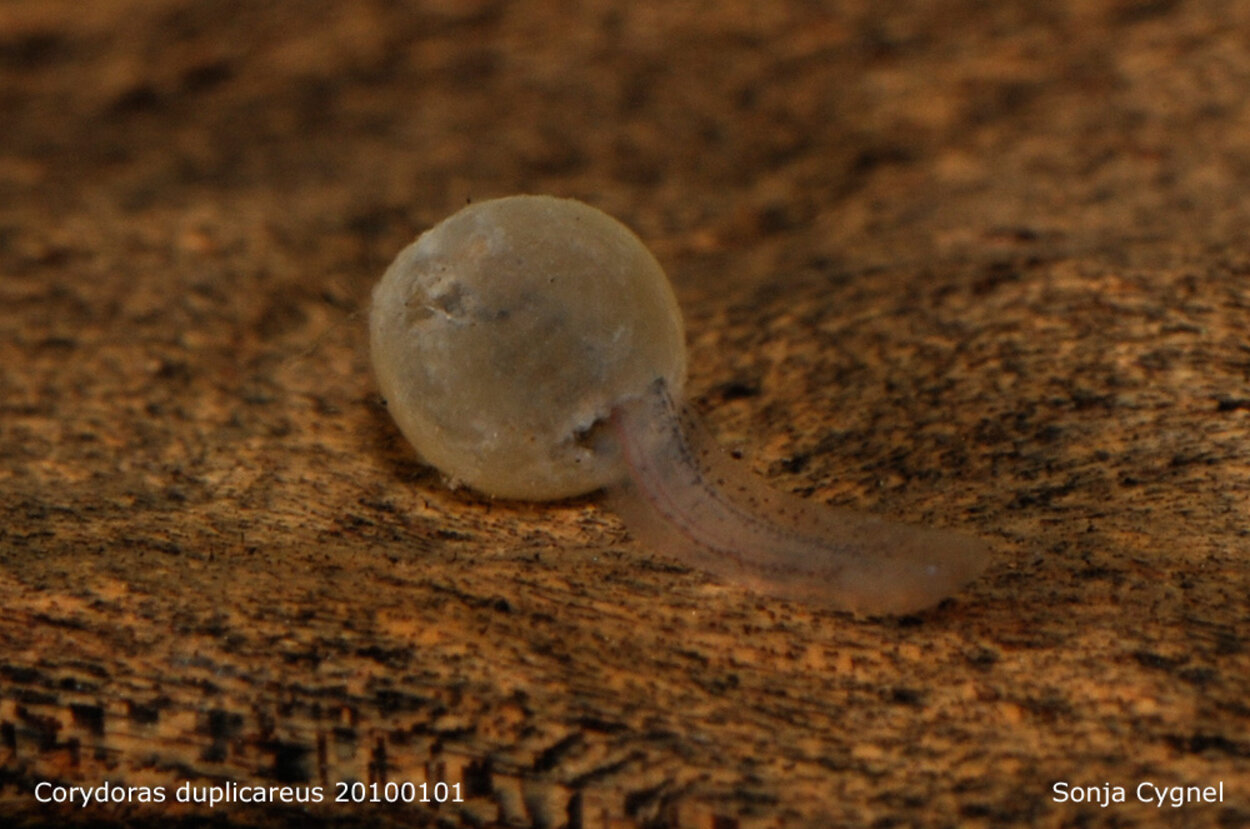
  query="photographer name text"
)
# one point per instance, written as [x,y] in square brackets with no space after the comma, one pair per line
[1144,792]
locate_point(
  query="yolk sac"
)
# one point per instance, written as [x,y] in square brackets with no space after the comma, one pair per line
[507,331]
[531,347]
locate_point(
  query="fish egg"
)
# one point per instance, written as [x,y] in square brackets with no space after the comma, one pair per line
[504,333]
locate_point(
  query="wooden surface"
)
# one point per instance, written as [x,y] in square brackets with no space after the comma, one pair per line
[980,266]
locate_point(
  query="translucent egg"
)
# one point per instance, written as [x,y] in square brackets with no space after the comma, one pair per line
[503,334]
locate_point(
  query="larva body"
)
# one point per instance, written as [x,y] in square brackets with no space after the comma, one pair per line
[531,347]
[687,498]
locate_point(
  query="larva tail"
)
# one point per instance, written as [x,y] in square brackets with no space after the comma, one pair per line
[688,499]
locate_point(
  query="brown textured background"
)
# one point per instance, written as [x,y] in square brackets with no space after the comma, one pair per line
[975,265]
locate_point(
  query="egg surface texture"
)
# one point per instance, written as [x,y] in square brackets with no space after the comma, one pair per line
[502,335]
